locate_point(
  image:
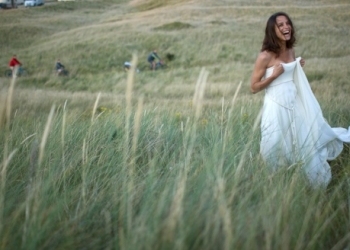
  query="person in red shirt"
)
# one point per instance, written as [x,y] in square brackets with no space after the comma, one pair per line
[14,63]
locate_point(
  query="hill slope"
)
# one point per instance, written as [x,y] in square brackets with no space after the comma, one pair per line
[93,39]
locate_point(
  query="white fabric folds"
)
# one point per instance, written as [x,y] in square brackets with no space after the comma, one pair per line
[294,130]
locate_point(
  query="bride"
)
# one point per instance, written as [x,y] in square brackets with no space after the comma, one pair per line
[293,130]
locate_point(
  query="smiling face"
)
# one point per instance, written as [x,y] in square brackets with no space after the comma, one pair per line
[279,33]
[283,28]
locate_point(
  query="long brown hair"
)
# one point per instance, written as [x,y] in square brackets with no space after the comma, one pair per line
[271,41]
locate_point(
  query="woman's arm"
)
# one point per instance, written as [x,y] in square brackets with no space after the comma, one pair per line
[261,64]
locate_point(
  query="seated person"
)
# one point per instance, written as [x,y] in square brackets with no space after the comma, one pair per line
[127,66]
[59,67]
[14,63]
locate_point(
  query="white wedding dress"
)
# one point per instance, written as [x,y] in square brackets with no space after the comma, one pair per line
[293,129]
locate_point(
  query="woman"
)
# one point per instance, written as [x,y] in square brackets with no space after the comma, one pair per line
[293,130]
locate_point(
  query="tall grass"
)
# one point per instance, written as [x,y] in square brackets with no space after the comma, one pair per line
[150,178]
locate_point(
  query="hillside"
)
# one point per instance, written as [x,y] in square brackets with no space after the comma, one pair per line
[93,39]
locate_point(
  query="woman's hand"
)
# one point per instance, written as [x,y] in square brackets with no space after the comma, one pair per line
[302,62]
[277,70]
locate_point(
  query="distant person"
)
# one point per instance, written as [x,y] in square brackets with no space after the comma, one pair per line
[152,59]
[14,63]
[127,67]
[59,67]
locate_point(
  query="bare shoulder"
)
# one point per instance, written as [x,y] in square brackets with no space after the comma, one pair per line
[264,58]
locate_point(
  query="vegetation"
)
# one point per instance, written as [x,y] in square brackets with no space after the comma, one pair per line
[174,26]
[105,159]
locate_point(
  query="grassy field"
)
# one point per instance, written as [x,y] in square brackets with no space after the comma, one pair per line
[105,159]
